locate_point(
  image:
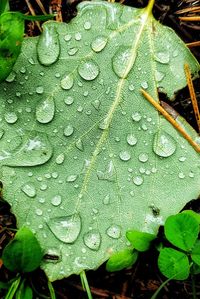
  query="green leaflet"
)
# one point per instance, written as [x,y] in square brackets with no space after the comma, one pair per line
[23,254]
[11,36]
[84,157]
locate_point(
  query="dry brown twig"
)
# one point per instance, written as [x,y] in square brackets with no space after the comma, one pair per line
[171,120]
[192,94]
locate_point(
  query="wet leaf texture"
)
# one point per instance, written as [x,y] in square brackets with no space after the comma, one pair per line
[84,157]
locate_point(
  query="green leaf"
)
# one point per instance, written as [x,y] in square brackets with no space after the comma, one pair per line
[4,6]
[195,255]
[13,288]
[140,240]
[182,230]
[23,253]
[34,18]
[121,260]
[83,156]
[173,264]
[193,214]
[24,291]
[11,36]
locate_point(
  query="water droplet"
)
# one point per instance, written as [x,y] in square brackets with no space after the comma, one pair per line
[88,70]
[39,89]
[45,110]
[67,82]
[78,36]
[69,100]
[114,231]
[23,70]
[11,117]
[38,212]
[56,200]
[71,178]
[57,75]
[67,37]
[35,149]
[66,228]
[191,174]
[48,47]
[72,51]
[80,109]
[138,180]
[164,144]
[29,189]
[123,61]
[124,155]
[68,131]
[136,116]
[131,87]
[143,157]
[96,104]
[31,61]
[131,139]
[182,159]
[175,53]
[87,25]
[92,239]
[79,145]
[60,159]
[99,43]
[85,94]
[181,175]
[54,175]
[11,77]
[144,127]
[109,173]
[104,123]
[106,200]
[159,76]
[162,57]
[144,85]
[1,133]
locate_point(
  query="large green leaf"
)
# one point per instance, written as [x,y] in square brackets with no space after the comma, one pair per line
[84,157]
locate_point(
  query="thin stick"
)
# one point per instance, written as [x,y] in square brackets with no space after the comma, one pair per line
[41,6]
[193,44]
[171,120]
[33,14]
[190,19]
[189,9]
[192,94]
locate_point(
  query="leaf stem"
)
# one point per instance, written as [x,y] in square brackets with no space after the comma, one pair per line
[150,6]
[194,294]
[85,284]
[51,290]
[13,288]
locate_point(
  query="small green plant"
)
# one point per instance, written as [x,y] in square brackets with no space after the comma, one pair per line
[177,261]
[11,36]
[22,255]
[182,232]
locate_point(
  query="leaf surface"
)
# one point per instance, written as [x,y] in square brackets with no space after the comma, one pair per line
[83,156]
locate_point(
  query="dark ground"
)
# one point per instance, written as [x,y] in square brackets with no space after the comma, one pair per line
[141,281]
